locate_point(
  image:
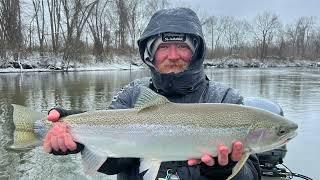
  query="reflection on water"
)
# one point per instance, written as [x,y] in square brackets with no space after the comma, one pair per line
[296,90]
[42,91]
[85,90]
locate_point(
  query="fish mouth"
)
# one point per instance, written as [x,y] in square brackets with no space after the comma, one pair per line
[289,136]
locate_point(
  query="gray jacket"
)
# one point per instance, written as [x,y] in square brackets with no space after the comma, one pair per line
[208,92]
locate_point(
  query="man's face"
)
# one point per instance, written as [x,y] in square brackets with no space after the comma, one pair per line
[173,57]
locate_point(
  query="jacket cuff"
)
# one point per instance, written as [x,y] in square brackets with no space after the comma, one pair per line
[64,112]
[79,148]
[216,171]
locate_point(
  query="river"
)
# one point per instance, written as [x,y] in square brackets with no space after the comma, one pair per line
[297,90]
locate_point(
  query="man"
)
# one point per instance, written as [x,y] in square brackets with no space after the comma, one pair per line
[173,47]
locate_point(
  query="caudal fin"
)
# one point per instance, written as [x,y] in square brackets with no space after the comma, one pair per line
[24,136]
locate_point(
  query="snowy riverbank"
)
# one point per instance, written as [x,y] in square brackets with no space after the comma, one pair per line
[55,64]
[257,63]
[96,67]
[49,64]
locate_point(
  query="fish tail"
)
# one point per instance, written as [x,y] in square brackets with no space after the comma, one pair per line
[25,135]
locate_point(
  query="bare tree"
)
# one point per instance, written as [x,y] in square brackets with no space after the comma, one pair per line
[303,27]
[291,37]
[226,31]
[76,13]
[221,30]
[54,9]
[210,25]
[230,33]
[133,17]
[316,44]
[265,25]
[114,26]
[280,44]
[240,34]
[122,12]
[98,24]
[215,27]
[10,27]
[3,34]
[30,35]
[154,5]
[38,6]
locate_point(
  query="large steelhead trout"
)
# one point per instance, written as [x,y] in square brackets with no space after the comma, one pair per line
[157,130]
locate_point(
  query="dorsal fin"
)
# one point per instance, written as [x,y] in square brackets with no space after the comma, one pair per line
[148,99]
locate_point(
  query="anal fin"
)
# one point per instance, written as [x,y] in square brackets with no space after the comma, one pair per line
[92,161]
[239,165]
[152,166]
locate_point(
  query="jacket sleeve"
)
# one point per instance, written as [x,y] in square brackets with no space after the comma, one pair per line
[64,112]
[250,170]
[116,165]
[124,99]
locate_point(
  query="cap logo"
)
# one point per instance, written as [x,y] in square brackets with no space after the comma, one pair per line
[168,37]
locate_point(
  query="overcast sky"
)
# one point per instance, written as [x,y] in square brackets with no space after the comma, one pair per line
[288,10]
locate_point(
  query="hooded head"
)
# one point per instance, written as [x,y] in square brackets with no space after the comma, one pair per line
[180,24]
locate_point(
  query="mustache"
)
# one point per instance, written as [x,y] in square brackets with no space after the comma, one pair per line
[169,66]
[179,63]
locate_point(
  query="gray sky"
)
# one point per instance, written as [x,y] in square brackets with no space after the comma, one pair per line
[288,10]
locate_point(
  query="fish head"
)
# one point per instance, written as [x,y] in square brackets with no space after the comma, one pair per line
[268,134]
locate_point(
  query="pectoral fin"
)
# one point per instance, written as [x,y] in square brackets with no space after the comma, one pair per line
[152,166]
[91,160]
[239,165]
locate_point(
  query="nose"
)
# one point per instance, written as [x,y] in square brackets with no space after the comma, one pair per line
[294,126]
[173,53]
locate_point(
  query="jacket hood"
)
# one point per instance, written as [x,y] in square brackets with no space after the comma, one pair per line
[177,20]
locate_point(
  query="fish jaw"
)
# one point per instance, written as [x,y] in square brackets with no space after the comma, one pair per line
[263,145]
[288,137]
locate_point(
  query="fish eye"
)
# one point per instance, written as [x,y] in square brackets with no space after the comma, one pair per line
[282,131]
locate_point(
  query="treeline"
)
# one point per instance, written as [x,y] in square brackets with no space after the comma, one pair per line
[264,37]
[103,28]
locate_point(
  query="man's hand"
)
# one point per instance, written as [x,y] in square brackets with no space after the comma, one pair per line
[54,115]
[223,155]
[58,138]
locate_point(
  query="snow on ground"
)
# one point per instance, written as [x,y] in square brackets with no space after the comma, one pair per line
[102,67]
[257,63]
[35,63]
[50,64]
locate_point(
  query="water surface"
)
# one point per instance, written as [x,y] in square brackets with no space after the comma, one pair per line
[296,90]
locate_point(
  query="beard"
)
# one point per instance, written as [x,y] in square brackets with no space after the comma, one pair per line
[168,66]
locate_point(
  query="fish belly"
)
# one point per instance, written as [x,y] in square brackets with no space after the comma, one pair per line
[166,143]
